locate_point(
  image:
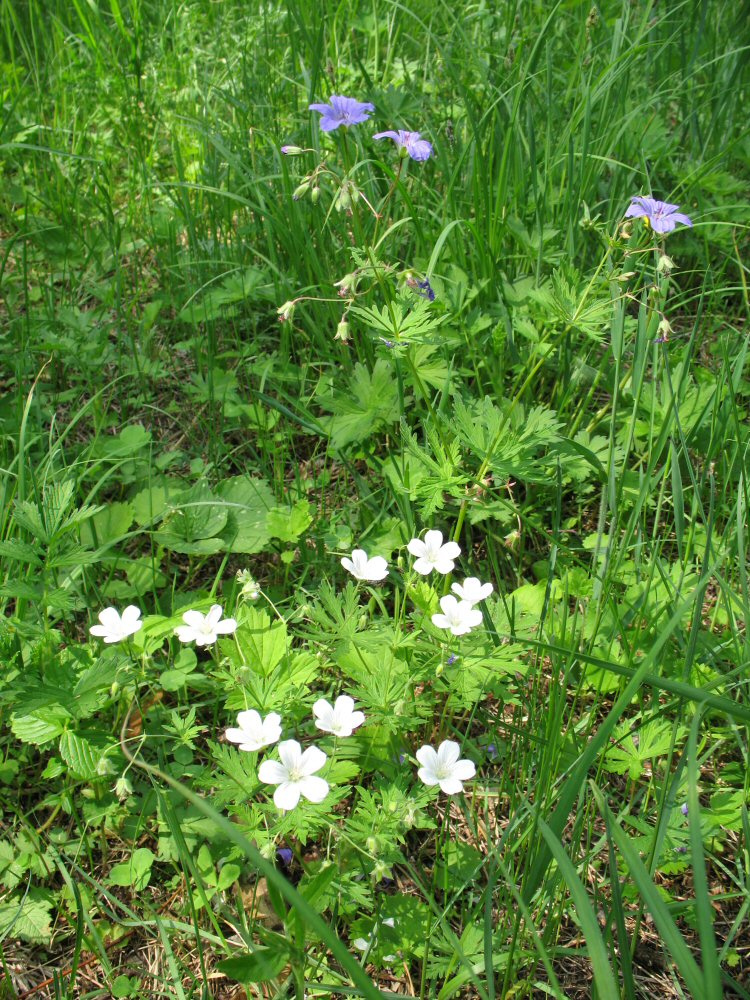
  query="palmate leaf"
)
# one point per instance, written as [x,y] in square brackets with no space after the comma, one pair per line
[29,918]
[371,403]
[515,444]
[636,745]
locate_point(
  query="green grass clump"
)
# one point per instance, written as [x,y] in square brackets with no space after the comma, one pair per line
[226,367]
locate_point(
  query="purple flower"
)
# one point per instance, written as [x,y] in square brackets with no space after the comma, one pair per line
[684,808]
[661,216]
[425,290]
[451,659]
[416,147]
[284,855]
[342,111]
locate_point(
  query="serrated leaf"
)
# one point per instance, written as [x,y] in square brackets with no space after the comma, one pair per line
[29,919]
[262,645]
[287,525]
[108,525]
[19,551]
[81,755]
[371,403]
[40,726]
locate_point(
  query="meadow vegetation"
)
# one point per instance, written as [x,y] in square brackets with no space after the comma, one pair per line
[373,508]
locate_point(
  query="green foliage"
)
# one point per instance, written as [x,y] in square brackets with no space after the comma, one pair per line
[180,428]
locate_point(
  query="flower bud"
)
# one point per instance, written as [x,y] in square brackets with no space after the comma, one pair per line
[286,311]
[342,331]
[664,265]
[315,195]
[512,539]
[347,285]
[343,200]
[291,150]
[300,191]
[372,845]
[123,788]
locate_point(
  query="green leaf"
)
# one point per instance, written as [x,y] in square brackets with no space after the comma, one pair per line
[40,726]
[262,645]
[108,525]
[371,403]
[228,876]
[603,977]
[197,520]
[287,525]
[81,756]
[248,502]
[29,919]
[136,872]
[665,924]
[149,504]
[258,966]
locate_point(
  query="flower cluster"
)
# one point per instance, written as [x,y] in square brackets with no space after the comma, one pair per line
[432,553]
[347,111]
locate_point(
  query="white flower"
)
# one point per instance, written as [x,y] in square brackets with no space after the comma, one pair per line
[204,630]
[363,568]
[472,590]
[459,616]
[295,775]
[432,554]
[253,732]
[115,627]
[339,719]
[442,767]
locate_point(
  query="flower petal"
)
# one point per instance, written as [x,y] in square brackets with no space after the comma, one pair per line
[433,539]
[290,753]
[450,785]
[194,619]
[272,773]
[287,795]
[427,757]
[312,760]
[313,788]
[448,753]
[417,547]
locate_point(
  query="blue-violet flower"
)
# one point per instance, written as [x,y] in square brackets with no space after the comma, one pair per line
[660,215]
[342,111]
[409,143]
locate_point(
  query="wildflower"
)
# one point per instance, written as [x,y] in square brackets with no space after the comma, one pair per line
[342,111]
[342,334]
[291,150]
[284,854]
[684,808]
[472,590]
[250,590]
[442,767]
[424,288]
[432,554]
[459,616]
[285,312]
[115,627]
[660,215]
[363,568]
[451,660]
[295,775]
[204,630]
[409,144]
[253,732]
[339,719]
